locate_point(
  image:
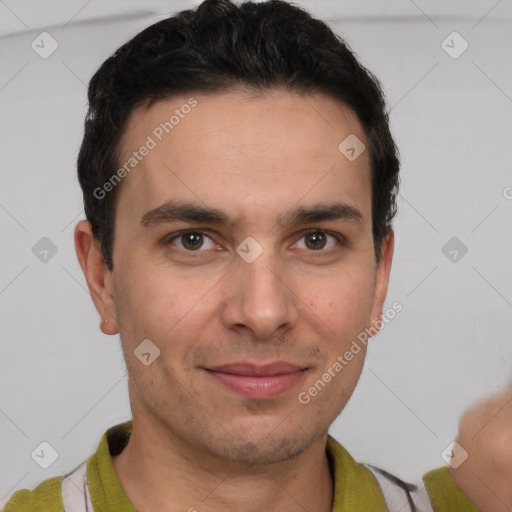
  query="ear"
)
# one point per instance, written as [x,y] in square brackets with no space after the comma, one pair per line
[98,277]
[382,276]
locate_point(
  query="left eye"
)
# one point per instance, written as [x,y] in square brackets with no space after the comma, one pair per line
[193,241]
[317,240]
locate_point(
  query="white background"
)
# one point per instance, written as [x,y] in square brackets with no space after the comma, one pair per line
[62,380]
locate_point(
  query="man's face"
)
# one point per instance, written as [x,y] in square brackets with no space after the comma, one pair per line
[240,336]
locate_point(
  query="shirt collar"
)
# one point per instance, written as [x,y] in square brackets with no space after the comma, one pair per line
[355,489]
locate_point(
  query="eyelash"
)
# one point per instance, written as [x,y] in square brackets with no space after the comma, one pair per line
[195,254]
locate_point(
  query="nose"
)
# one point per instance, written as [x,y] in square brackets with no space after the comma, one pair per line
[260,298]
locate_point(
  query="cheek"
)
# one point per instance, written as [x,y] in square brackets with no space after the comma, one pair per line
[148,305]
[170,310]
[343,302]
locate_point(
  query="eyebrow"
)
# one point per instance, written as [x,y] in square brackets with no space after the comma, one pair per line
[172,211]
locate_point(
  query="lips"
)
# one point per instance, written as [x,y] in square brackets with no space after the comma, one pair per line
[269,369]
[257,381]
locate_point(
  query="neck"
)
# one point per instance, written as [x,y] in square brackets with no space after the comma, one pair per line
[160,471]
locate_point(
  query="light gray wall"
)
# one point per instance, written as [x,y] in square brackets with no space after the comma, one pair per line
[62,381]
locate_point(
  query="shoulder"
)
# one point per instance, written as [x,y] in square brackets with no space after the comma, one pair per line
[444,494]
[46,497]
[439,492]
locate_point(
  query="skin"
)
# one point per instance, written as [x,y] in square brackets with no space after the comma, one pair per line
[486,474]
[195,442]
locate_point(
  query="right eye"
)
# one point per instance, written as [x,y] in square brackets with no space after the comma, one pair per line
[192,241]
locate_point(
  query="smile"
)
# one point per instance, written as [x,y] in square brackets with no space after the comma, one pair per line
[258,382]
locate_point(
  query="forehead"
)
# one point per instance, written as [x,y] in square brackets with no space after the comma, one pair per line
[240,150]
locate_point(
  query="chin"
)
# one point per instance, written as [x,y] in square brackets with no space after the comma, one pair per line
[263,447]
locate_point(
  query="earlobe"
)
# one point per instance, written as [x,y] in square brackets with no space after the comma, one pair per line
[97,275]
[108,325]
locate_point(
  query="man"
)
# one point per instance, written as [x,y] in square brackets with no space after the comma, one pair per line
[239,182]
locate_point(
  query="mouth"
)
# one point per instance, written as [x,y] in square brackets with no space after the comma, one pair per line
[258,381]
